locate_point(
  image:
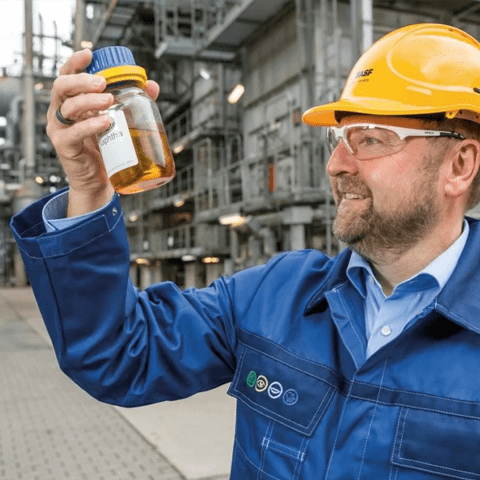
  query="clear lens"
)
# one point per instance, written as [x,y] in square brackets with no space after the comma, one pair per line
[364,142]
[332,138]
[368,141]
[373,142]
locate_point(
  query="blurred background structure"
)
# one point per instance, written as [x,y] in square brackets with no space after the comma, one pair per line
[235,77]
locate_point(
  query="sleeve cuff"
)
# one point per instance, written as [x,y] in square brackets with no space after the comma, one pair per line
[54,213]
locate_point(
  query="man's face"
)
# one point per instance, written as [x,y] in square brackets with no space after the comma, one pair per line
[388,203]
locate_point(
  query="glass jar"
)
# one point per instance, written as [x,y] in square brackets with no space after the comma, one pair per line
[135,149]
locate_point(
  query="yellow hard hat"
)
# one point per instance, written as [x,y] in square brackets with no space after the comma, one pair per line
[419,69]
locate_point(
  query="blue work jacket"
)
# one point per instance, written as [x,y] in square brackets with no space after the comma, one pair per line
[288,335]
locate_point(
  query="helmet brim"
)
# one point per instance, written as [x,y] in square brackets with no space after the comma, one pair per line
[326,115]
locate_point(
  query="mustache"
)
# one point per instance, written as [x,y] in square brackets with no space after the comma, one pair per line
[346,183]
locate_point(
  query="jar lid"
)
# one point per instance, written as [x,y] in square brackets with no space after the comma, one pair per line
[117,65]
[110,57]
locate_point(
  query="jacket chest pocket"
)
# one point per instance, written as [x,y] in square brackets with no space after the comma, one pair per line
[280,404]
[436,445]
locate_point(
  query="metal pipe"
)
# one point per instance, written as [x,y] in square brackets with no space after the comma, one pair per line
[194,31]
[466,12]
[29,94]
[337,39]
[367,24]
[56,57]
[79,25]
[356,44]
[208,142]
[156,22]
[108,14]
[41,53]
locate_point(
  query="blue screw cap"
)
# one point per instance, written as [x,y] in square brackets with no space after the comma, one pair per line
[110,57]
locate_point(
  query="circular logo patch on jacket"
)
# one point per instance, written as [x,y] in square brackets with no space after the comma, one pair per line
[252,379]
[290,397]
[262,383]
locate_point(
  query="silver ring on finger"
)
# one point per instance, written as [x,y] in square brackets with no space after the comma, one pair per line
[62,119]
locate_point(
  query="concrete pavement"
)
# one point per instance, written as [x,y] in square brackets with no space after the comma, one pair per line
[51,430]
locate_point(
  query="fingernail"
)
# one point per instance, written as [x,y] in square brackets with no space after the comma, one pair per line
[97,81]
[106,117]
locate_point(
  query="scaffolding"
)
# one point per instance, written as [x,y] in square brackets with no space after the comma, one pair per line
[250,177]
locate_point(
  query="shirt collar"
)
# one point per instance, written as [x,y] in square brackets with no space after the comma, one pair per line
[436,273]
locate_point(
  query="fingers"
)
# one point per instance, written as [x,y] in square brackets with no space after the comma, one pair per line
[77,62]
[66,86]
[85,105]
[69,146]
[76,95]
[86,129]
[153,89]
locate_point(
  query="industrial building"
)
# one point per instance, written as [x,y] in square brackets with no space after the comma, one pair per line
[235,78]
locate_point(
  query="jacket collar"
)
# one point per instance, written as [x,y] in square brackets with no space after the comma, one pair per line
[335,277]
[459,301]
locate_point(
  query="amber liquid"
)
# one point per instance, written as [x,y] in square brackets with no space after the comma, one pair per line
[155,163]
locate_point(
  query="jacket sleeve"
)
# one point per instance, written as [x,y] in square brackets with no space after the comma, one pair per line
[124,346]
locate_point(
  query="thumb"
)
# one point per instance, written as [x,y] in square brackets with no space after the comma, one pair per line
[152,88]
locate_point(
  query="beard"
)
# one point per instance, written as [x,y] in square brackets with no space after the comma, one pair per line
[379,236]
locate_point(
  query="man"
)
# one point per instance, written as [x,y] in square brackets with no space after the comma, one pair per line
[364,366]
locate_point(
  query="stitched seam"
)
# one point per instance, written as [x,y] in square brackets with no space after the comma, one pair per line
[450,475]
[246,457]
[252,406]
[283,449]
[395,444]
[295,367]
[335,290]
[371,421]
[73,249]
[426,463]
[286,363]
[419,408]
[409,462]
[476,475]
[391,471]
[267,437]
[404,423]
[277,260]
[23,232]
[428,395]
[351,323]
[338,431]
[301,458]
[327,403]
[280,347]
[253,465]
[456,317]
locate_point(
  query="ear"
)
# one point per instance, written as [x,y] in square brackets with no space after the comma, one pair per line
[462,165]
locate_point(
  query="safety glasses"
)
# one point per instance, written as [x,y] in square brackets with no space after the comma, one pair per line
[367,141]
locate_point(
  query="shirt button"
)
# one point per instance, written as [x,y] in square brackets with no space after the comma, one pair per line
[386,331]
[114,211]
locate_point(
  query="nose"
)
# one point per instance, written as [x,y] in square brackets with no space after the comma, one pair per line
[341,161]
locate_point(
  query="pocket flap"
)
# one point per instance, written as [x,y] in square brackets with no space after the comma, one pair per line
[439,443]
[280,385]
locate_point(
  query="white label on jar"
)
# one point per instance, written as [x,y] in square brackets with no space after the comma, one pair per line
[116,144]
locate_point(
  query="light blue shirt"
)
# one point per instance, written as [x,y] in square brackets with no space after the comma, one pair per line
[386,317]
[54,213]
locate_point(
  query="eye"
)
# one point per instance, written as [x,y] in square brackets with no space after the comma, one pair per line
[368,141]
